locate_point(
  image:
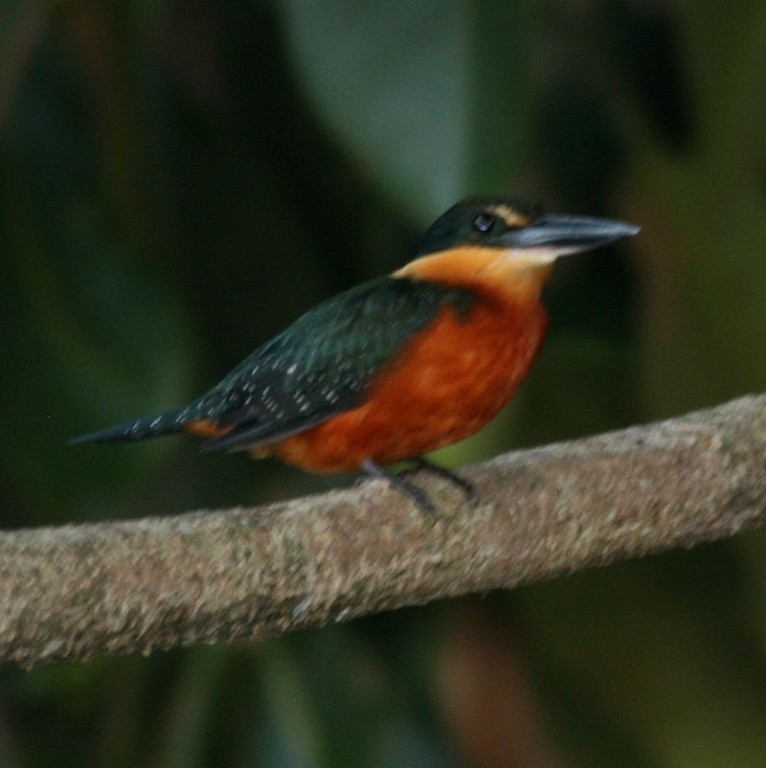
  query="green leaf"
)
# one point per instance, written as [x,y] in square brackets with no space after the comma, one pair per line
[88,337]
[430,98]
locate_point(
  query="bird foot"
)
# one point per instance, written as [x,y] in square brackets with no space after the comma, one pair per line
[412,491]
[467,487]
[418,495]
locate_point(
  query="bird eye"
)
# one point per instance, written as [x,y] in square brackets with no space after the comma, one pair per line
[483,222]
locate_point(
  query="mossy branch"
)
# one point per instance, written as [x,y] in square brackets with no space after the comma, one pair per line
[75,592]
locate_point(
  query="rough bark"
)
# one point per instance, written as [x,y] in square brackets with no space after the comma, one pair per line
[77,591]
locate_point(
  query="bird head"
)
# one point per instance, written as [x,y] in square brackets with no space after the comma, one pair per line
[511,224]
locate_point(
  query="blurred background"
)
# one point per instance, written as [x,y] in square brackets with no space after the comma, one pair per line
[179,180]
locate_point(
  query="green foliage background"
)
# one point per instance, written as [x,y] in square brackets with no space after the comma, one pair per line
[178,180]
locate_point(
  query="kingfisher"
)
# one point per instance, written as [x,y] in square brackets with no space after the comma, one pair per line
[399,366]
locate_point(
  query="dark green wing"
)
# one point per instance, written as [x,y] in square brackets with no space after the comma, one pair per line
[322,364]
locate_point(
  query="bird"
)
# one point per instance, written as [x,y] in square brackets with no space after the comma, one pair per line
[401,365]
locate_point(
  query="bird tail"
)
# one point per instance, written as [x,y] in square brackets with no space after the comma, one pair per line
[165,423]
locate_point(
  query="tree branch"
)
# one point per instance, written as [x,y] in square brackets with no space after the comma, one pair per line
[78,591]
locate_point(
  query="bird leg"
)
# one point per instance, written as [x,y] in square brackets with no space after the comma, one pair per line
[374,470]
[468,488]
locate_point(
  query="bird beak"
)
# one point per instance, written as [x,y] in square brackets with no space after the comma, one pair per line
[560,235]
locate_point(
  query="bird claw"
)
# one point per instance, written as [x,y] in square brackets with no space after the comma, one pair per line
[412,491]
[467,487]
[418,495]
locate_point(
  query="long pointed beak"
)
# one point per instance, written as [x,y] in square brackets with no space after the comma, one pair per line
[568,234]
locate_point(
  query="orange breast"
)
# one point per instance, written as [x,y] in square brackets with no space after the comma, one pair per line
[447,383]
